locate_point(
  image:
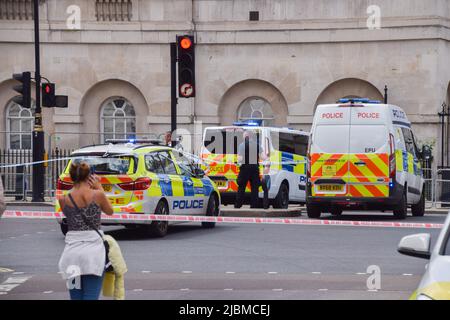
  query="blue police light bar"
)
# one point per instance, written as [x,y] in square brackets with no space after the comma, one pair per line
[248,123]
[358,100]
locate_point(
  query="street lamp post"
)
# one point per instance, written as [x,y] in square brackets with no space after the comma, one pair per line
[445,113]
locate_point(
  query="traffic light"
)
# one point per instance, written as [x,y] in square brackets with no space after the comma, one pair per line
[24,99]
[186,66]
[48,95]
[61,101]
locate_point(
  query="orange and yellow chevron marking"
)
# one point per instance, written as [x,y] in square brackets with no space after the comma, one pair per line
[362,181]
[328,165]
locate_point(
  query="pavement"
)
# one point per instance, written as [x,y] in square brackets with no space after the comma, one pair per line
[231,261]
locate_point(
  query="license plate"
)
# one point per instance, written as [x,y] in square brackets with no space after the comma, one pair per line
[107,187]
[221,183]
[330,188]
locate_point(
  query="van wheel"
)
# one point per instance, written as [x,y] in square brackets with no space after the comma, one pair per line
[313,211]
[159,228]
[336,212]
[281,201]
[64,226]
[401,211]
[418,210]
[211,211]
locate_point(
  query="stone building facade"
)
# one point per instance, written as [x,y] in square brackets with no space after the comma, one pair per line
[275,59]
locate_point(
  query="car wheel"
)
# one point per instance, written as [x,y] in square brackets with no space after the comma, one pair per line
[64,227]
[159,228]
[281,201]
[401,211]
[418,210]
[313,211]
[336,212]
[211,211]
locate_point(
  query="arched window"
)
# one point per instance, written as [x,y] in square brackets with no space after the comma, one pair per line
[19,126]
[118,119]
[256,108]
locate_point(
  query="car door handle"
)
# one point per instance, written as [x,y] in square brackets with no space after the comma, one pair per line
[360,163]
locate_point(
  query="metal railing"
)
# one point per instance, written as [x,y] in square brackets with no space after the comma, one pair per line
[442,188]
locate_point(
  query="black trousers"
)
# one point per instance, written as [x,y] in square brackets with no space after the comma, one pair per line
[265,183]
[248,172]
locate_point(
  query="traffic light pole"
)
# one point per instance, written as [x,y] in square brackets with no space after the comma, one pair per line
[173,90]
[38,132]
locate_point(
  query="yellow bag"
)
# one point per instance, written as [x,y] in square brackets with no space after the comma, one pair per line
[109,284]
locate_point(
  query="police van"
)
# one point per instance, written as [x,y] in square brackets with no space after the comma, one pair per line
[363,155]
[143,177]
[283,158]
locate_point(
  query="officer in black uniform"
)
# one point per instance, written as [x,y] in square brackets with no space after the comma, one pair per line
[248,158]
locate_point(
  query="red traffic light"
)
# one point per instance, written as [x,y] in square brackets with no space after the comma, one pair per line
[47,89]
[185,43]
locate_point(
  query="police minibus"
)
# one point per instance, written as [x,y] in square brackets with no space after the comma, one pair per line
[283,158]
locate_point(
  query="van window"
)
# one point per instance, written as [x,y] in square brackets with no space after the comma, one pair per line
[290,143]
[409,141]
[368,139]
[330,139]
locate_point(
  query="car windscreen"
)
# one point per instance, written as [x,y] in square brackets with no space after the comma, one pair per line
[447,246]
[225,141]
[107,165]
[330,139]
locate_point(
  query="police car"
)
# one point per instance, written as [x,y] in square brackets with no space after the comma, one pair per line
[435,283]
[146,178]
[363,155]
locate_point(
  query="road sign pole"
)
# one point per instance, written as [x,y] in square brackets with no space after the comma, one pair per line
[173,90]
[38,132]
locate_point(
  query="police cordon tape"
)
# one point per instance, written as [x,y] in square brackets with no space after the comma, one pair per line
[143,218]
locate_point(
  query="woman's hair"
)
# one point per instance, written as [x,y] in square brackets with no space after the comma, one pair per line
[79,172]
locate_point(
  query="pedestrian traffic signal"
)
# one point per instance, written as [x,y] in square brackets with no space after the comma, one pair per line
[24,88]
[186,66]
[48,95]
[61,101]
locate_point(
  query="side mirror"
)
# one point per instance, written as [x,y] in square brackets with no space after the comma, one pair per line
[416,245]
[198,173]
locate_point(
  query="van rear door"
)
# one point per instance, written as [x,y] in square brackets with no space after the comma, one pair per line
[369,150]
[329,152]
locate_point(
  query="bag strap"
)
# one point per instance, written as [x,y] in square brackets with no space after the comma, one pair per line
[84,217]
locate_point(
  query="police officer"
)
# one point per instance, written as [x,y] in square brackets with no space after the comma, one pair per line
[248,158]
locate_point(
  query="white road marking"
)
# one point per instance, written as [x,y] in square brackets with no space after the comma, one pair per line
[272,272]
[17,273]
[26,235]
[12,237]
[138,290]
[322,290]
[12,282]
[39,232]
[186,271]
[228,289]
[4,270]
[361,273]
[146,271]
[184,289]
[316,272]
[277,289]
[48,292]
[372,290]
[1,292]
[408,274]
[230,272]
